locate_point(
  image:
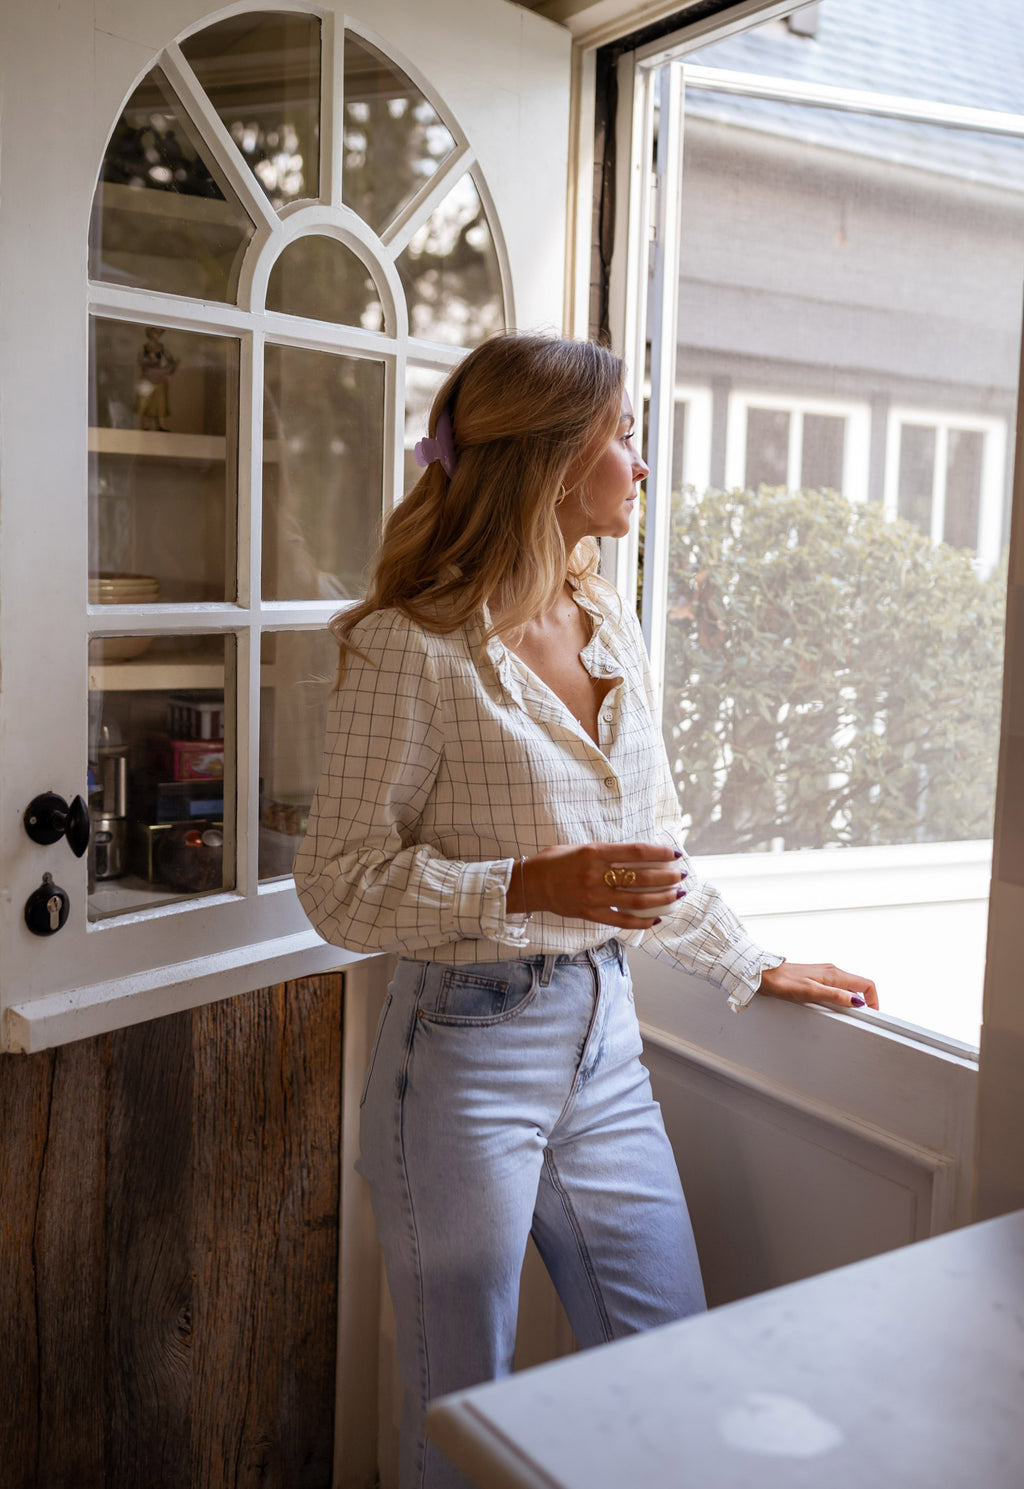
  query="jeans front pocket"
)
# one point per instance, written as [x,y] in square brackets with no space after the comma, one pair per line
[483,993]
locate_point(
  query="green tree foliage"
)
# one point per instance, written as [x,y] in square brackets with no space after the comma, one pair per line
[831,677]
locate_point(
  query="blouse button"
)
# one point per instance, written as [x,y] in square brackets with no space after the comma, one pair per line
[609,781]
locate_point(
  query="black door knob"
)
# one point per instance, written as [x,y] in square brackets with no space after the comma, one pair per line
[48,818]
[46,908]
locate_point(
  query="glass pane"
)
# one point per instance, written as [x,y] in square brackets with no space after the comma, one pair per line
[767,447]
[917,475]
[162,464]
[450,272]
[161,770]
[262,73]
[164,217]
[421,385]
[821,466]
[322,473]
[963,487]
[320,278]
[296,676]
[833,678]
[393,139]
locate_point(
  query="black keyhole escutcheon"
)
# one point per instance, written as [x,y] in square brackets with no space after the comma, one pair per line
[46,908]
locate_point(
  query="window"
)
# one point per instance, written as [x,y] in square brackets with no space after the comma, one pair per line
[947,475]
[786,441]
[826,617]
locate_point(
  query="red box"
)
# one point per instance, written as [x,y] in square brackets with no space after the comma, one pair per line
[189,759]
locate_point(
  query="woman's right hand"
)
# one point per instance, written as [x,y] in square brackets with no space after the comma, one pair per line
[572,882]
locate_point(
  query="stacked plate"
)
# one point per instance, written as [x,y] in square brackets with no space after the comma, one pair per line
[121,589]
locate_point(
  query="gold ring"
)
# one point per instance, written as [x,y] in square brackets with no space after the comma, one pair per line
[629,878]
[611,878]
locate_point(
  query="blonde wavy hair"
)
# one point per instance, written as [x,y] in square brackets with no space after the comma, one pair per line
[526,412]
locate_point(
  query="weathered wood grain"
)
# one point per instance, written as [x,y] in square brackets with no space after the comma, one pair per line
[267,1129]
[24,1124]
[51,1273]
[149,1265]
[70,1280]
[169,1250]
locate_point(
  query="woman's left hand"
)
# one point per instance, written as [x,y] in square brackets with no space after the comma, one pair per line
[818,983]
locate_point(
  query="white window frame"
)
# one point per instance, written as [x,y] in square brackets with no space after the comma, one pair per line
[993,472]
[856,444]
[658,218]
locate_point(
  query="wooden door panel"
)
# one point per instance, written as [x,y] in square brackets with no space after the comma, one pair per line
[169,1233]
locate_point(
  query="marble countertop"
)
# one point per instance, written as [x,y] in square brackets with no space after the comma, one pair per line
[901,1371]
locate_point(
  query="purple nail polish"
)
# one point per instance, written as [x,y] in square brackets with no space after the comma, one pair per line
[676,853]
[856,1001]
[685,874]
[658,921]
[680,894]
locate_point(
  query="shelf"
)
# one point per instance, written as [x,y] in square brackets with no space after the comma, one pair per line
[154,444]
[157,444]
[115,196]
[168,673]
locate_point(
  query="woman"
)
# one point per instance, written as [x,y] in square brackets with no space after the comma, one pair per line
[496,806]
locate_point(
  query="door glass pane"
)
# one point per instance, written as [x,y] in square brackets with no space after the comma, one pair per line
[322,473]
[821,464]
[450,272]
[963,487]
[320,278]
[394,140]
[161,770]
[296,676]
[767,447]
[262,73]
[164,216]
[162,463]
[917,475]
[421,385]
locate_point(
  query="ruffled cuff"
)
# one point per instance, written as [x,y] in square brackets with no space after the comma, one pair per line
[480,909]
[744,983]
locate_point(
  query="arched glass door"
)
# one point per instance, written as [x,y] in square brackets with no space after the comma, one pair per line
[281,275]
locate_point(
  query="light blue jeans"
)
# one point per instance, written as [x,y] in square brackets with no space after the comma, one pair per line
[506,1098]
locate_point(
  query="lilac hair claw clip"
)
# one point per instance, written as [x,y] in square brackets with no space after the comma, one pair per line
[441,447]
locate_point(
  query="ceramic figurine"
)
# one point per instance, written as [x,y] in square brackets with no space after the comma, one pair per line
[156,367]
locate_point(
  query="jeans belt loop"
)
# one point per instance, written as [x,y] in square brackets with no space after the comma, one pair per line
[547,971]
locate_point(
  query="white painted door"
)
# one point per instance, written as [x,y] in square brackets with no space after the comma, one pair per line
[808,1139]
[238,251]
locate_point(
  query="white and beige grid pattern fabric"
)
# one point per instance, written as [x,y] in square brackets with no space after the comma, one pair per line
[447,759]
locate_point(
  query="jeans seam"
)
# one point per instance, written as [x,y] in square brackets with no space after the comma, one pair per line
[581,1245]
[421,1466]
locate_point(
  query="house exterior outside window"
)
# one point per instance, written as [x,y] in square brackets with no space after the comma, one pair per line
[847,269]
